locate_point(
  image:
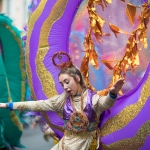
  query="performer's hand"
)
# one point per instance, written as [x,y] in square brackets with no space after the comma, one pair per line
[3,105]
[117,86]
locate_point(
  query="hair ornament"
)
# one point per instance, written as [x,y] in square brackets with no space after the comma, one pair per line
[62,60]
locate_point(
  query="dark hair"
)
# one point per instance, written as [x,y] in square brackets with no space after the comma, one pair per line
[73,72]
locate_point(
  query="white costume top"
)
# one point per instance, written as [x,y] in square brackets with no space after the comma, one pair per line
[72,141]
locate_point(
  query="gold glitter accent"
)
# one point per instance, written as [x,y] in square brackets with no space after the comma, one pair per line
[13,116]
[21,60]
[32,20]
[16,120]
[47,81]
[134,143]
[56,13]
[127,114]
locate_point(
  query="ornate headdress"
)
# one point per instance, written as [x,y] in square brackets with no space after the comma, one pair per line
[63,60]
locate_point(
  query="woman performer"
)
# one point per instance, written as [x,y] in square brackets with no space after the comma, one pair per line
[80,107]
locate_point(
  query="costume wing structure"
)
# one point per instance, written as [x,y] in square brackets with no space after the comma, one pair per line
[60,25]
[12,82]
[127,126]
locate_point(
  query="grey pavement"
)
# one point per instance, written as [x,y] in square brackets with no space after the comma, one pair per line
[33,140]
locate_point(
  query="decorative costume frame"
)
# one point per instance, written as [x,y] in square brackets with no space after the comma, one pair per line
[48,32]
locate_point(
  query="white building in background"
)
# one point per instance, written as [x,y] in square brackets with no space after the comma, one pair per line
[17,10]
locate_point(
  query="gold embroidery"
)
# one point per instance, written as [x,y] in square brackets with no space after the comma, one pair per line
[127,114]
[131,143]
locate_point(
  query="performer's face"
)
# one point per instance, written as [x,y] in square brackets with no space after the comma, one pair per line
[70,85]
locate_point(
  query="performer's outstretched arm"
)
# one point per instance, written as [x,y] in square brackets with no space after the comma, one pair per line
[108,101]
[53,104]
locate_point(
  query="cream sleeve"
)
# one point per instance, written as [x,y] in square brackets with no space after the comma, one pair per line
[102,103]
[53,104]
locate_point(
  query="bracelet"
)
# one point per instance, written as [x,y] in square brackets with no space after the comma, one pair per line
[112,95]
[9,106]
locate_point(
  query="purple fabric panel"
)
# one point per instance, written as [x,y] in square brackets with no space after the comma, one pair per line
[34,41]
[59,38]
[126,100]
[143,1]
[68,109]
[88,109]
[55,119]
[130,129]
[32,113]
[146,145]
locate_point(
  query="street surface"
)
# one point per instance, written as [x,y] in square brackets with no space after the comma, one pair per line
[33,140]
